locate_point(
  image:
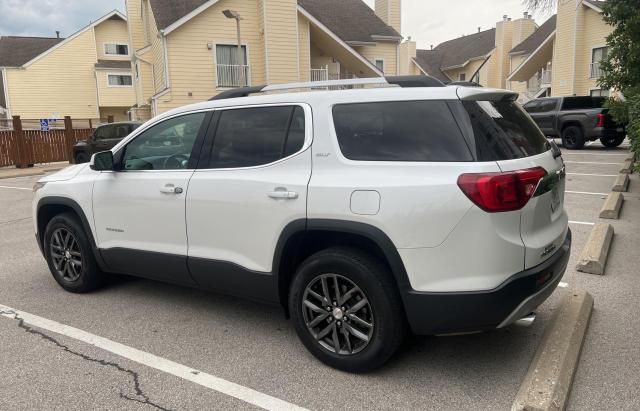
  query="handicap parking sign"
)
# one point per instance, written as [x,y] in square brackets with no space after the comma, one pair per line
[44,124]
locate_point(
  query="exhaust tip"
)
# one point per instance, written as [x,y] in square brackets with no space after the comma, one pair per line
[526,321]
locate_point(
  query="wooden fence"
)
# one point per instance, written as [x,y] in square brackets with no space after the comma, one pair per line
[22,147]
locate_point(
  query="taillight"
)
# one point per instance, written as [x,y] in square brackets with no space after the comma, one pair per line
[600,120]
[499,192]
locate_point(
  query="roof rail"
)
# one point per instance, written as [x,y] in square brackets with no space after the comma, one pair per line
[465,84]
[397,81]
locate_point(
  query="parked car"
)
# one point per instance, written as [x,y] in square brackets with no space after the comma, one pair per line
[576,120]
[437,209]
[105,137]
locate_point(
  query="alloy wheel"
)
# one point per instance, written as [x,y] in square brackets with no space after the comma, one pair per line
[66,254]
[338,315]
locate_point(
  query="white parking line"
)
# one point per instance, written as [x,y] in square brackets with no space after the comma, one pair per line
[592,175]
[586,193]
[578,153]
[562,284]
[591,162]
[16,188]
[581,223]
[181,371]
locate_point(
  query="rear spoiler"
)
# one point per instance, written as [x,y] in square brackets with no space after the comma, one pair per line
[483,94]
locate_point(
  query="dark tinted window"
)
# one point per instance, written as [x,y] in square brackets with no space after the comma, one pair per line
[532,107]
[399,131]
[547,105]
[121,130]
[257,136]
[502,131]
[577,103]
[103,132]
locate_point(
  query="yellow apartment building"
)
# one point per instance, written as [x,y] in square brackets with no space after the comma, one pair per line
[86,75]
[186,51]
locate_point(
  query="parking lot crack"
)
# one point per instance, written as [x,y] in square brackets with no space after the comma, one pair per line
[143,398]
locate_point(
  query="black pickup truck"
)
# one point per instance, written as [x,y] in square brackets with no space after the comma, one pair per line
[103,138]
[576,120]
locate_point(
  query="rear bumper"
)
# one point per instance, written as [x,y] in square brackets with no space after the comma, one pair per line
[601,132]
[441,313]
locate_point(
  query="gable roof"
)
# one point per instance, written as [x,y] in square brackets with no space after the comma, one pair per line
[430,61]
[16,51]
[351,20]
[458,52]
[337,15]
[595,3]
[531,43]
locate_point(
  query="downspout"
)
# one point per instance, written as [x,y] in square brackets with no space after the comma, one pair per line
[163,40]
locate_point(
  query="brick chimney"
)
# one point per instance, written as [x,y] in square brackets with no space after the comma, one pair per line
[390,11]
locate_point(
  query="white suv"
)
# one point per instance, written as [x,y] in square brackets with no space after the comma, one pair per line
[363,212]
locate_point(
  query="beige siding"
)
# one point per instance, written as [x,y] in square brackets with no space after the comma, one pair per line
[593,37]
[135,25]
[157,54]
[192,64]
[118,113]
[144,86]
[281,27]
[383,50]
[62,82]
[469,70]
[304,39]
[111,31]
[111,96]
[390,11]
[319,59]
[406,53]
[518,86]
[563,62]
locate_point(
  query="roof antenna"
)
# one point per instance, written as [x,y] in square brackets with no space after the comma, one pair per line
[57,34]
[479,28]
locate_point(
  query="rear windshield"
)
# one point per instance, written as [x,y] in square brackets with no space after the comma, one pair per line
[585,103]
[501,130]
[399,131]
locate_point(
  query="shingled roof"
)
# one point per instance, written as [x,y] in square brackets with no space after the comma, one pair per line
[598,4]
[431,61]
[351,20]
[531,43]
[17,51]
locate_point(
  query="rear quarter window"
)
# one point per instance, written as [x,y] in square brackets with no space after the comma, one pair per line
[423,131]
[501,130]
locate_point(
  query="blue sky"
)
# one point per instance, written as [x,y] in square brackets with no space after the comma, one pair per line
[426,21]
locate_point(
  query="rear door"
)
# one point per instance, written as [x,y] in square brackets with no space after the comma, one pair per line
[250,184]
[546,114]
[517,144]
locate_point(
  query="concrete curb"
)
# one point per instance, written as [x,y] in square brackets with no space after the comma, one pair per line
[548,381]
[594,255]
[622,183]
[627,167]
[29,172]
[611,208]
[15,174]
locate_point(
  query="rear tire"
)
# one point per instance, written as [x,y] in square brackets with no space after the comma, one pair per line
[82,158]
[612,142]
[70,256]
[364,327]
[573,138]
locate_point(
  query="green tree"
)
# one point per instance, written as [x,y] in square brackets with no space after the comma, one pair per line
[622,65]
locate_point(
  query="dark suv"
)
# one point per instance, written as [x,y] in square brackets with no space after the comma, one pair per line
[576,120]
[105,137]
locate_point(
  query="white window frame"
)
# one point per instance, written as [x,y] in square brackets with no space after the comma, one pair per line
[215,60]
[127,74]
[104,49]
[384,64]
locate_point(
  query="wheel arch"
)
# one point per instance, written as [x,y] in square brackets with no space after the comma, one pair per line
[302,238]
[49,207]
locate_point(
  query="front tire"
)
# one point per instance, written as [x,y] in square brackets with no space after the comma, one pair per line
[573,138]
[612,142]
[346,309]
[69,255]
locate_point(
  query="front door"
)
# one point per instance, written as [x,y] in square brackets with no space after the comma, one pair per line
[252,184]
[139,210]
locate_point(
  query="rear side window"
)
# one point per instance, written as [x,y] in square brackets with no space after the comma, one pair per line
[502,131]
[582,103]
[104,132]
[257,136]
[399,131]
[532,107]
[547,105]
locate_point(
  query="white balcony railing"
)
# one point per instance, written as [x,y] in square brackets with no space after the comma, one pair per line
[546,77]
[533,85]
[321,74]
[596,71]
[233,75]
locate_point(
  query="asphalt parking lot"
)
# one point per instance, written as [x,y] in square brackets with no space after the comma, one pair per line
[253,346]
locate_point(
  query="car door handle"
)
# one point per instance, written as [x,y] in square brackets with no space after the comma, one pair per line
[171,189]
[283,195]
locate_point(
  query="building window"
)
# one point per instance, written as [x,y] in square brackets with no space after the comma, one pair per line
[232,71]
[462,77]
[113,49]
[120,80]
[599,93]
[597,55]
[380,64]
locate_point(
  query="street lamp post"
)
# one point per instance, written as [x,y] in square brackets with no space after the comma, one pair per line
[231,14]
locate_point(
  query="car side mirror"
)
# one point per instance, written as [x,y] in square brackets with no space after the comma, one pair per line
[102,161]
